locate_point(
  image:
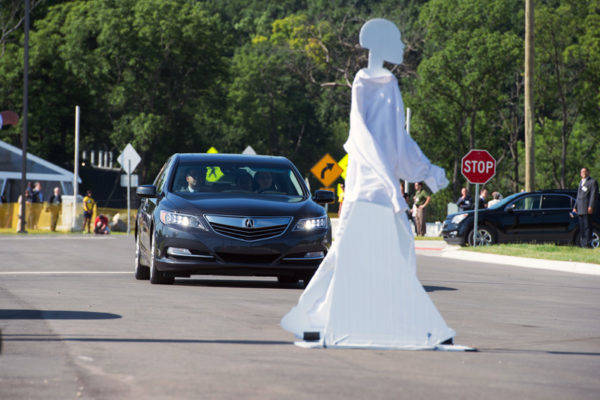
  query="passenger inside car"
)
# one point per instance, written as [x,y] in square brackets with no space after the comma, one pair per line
[263,181]
[244,181]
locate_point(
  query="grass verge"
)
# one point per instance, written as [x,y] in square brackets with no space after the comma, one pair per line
[428,238]
[543,251]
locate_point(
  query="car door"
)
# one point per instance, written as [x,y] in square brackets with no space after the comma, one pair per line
[526,214]
[557,220]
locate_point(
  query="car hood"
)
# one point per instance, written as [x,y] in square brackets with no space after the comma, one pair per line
[242,205]
[470,213]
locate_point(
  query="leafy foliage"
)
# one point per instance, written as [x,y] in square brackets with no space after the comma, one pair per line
[181,76]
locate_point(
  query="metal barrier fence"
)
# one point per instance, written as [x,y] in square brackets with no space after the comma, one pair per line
[43,216]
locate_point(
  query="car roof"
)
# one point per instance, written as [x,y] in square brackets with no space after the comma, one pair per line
[554,191]
[225,157]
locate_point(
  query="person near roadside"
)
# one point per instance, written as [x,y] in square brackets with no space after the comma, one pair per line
[101,225]
[54,207]
[409,212]
[37,198]
[483,202]
[88,209]
[587,194]
[496,197]
[464,202]
[341,190]
[421,201]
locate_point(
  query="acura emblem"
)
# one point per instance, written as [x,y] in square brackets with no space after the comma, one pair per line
[249,223]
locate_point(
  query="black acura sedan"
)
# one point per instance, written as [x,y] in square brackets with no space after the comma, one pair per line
[542,216]
[229,214]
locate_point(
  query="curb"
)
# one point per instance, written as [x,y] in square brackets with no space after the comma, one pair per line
[453,252]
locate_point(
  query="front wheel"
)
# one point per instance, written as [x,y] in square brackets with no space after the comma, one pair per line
[157,277]
[595,242]
[307,277]
[141,271]
[485,237]
[287,280]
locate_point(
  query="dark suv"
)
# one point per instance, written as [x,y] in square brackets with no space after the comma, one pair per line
[542,216]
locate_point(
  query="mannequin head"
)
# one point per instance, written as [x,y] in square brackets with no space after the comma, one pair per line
[382,38]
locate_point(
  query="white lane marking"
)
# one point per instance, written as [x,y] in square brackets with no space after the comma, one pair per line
[62,272]
[86,358]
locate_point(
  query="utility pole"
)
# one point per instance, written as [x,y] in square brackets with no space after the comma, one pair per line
[25,127]
[529,75]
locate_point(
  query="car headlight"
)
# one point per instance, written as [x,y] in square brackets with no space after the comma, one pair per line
[185,220]
[311,224]
[458,218]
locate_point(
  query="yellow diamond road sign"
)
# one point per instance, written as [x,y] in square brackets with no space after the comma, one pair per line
[326,170]
[213,174]
[343,163]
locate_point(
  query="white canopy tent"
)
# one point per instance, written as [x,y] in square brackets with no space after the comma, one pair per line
[38,169]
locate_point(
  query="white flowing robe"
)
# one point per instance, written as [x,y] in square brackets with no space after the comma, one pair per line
[366,292]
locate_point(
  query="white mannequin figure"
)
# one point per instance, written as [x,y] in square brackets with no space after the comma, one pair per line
[366,293]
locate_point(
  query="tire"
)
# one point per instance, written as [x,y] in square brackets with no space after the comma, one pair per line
[157,277]
[306,278]
[142,272]
[595,243]
[287,280]
[487,236]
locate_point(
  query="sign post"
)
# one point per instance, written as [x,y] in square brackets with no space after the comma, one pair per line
[129,160]
[478,166]
[128,195]
[75,172]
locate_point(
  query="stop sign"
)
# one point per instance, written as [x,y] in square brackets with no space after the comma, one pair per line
[478,166]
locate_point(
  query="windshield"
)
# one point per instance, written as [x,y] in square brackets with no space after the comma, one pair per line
[227,177]
[504,201]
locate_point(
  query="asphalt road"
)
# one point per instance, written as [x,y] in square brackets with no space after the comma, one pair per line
[75,324]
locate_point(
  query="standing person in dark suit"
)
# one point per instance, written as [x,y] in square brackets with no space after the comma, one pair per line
[584,206]
[54,206]
[464,202]
[483,198]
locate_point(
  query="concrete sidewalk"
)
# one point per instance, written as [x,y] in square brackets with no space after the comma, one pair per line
[439,248]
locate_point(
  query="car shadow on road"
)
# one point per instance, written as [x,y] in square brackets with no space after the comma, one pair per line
[252,284]
[258,284]
[54,314]
[15,337]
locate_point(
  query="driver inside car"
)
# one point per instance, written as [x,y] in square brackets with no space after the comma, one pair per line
[195,180]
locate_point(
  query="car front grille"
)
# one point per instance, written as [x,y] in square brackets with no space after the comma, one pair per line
[249,228]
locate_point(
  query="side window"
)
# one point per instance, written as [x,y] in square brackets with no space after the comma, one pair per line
[528,203]
[556,201]
[161,178]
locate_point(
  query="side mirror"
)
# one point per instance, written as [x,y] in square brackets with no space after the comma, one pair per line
[146,191]
[323,197]
[510,208]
